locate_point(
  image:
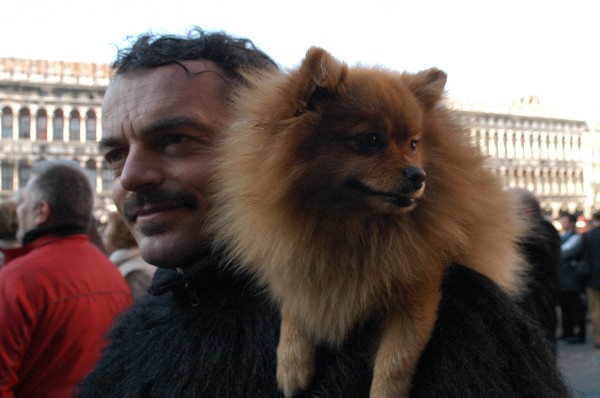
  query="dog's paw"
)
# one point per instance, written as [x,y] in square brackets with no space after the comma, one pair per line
[295,366]
[295,377]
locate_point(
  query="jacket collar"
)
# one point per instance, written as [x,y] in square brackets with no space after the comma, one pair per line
[40,237]
[56,230]
[204,270]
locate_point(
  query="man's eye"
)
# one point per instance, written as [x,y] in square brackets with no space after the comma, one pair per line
[173,139]
[368,143]
[114,156]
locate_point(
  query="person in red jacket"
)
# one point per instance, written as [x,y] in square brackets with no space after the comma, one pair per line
[59,294]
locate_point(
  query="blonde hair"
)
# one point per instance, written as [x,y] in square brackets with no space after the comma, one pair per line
[120,236]
[8,221]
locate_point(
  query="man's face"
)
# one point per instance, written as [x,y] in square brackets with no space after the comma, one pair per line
[27,212]
[566,223]
[159,128]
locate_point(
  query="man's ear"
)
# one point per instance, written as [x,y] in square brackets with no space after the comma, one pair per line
[43,213]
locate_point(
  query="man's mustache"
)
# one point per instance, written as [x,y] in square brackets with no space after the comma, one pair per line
[139,200]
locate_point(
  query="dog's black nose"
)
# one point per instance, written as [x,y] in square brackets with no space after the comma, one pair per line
[416,176]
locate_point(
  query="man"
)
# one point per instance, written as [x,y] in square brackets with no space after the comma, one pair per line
[591,253]
[206,332]
[572,293]
[59,293]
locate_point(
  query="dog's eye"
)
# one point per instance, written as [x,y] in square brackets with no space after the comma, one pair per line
[368,143]
[413,145]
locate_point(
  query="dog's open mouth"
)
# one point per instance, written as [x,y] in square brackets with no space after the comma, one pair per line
[390,197]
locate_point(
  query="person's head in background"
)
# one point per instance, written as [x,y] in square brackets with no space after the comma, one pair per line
[58,194]
[568,222]
[595,221]
[161,115]
[116,234]
[8,227]
[526,201]
[8,221]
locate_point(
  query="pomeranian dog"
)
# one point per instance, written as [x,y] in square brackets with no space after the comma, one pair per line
[347,192]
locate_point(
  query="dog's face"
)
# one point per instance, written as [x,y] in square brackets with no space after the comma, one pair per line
[361,133]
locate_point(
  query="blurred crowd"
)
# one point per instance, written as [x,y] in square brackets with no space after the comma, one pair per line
[564,276]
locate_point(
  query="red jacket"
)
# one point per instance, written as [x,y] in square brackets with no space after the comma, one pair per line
[57,300]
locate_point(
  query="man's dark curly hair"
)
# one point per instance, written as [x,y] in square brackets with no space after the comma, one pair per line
[233,55]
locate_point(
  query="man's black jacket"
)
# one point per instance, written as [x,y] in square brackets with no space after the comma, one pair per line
[209,333]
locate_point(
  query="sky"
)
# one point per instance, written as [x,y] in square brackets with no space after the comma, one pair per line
[493,51]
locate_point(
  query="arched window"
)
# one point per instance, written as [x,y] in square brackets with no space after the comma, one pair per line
[74,126]
[90,170]
[107,177]
[576,145]
[90,126]
[24,123]
[41,125]
[24,171]
[493,140]
[544,143]
[7,123]
[58,125]
[7,176]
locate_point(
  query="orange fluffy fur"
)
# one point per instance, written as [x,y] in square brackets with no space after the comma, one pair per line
[312,198]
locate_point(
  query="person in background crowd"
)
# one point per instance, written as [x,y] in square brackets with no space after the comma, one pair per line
[572,294]
[93,232]
[59,294]
[541,247]
[8,227]
[205,331]
[591,254]
[123,251]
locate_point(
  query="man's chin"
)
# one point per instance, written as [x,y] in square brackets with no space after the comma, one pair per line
[167,251]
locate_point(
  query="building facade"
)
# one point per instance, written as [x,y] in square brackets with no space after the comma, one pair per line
[53,110]
[529,147]
[592,168]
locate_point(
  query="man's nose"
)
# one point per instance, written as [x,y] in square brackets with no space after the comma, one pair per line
[141,170]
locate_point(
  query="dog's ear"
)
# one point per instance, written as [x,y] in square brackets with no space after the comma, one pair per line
[428,86]
[319,77]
